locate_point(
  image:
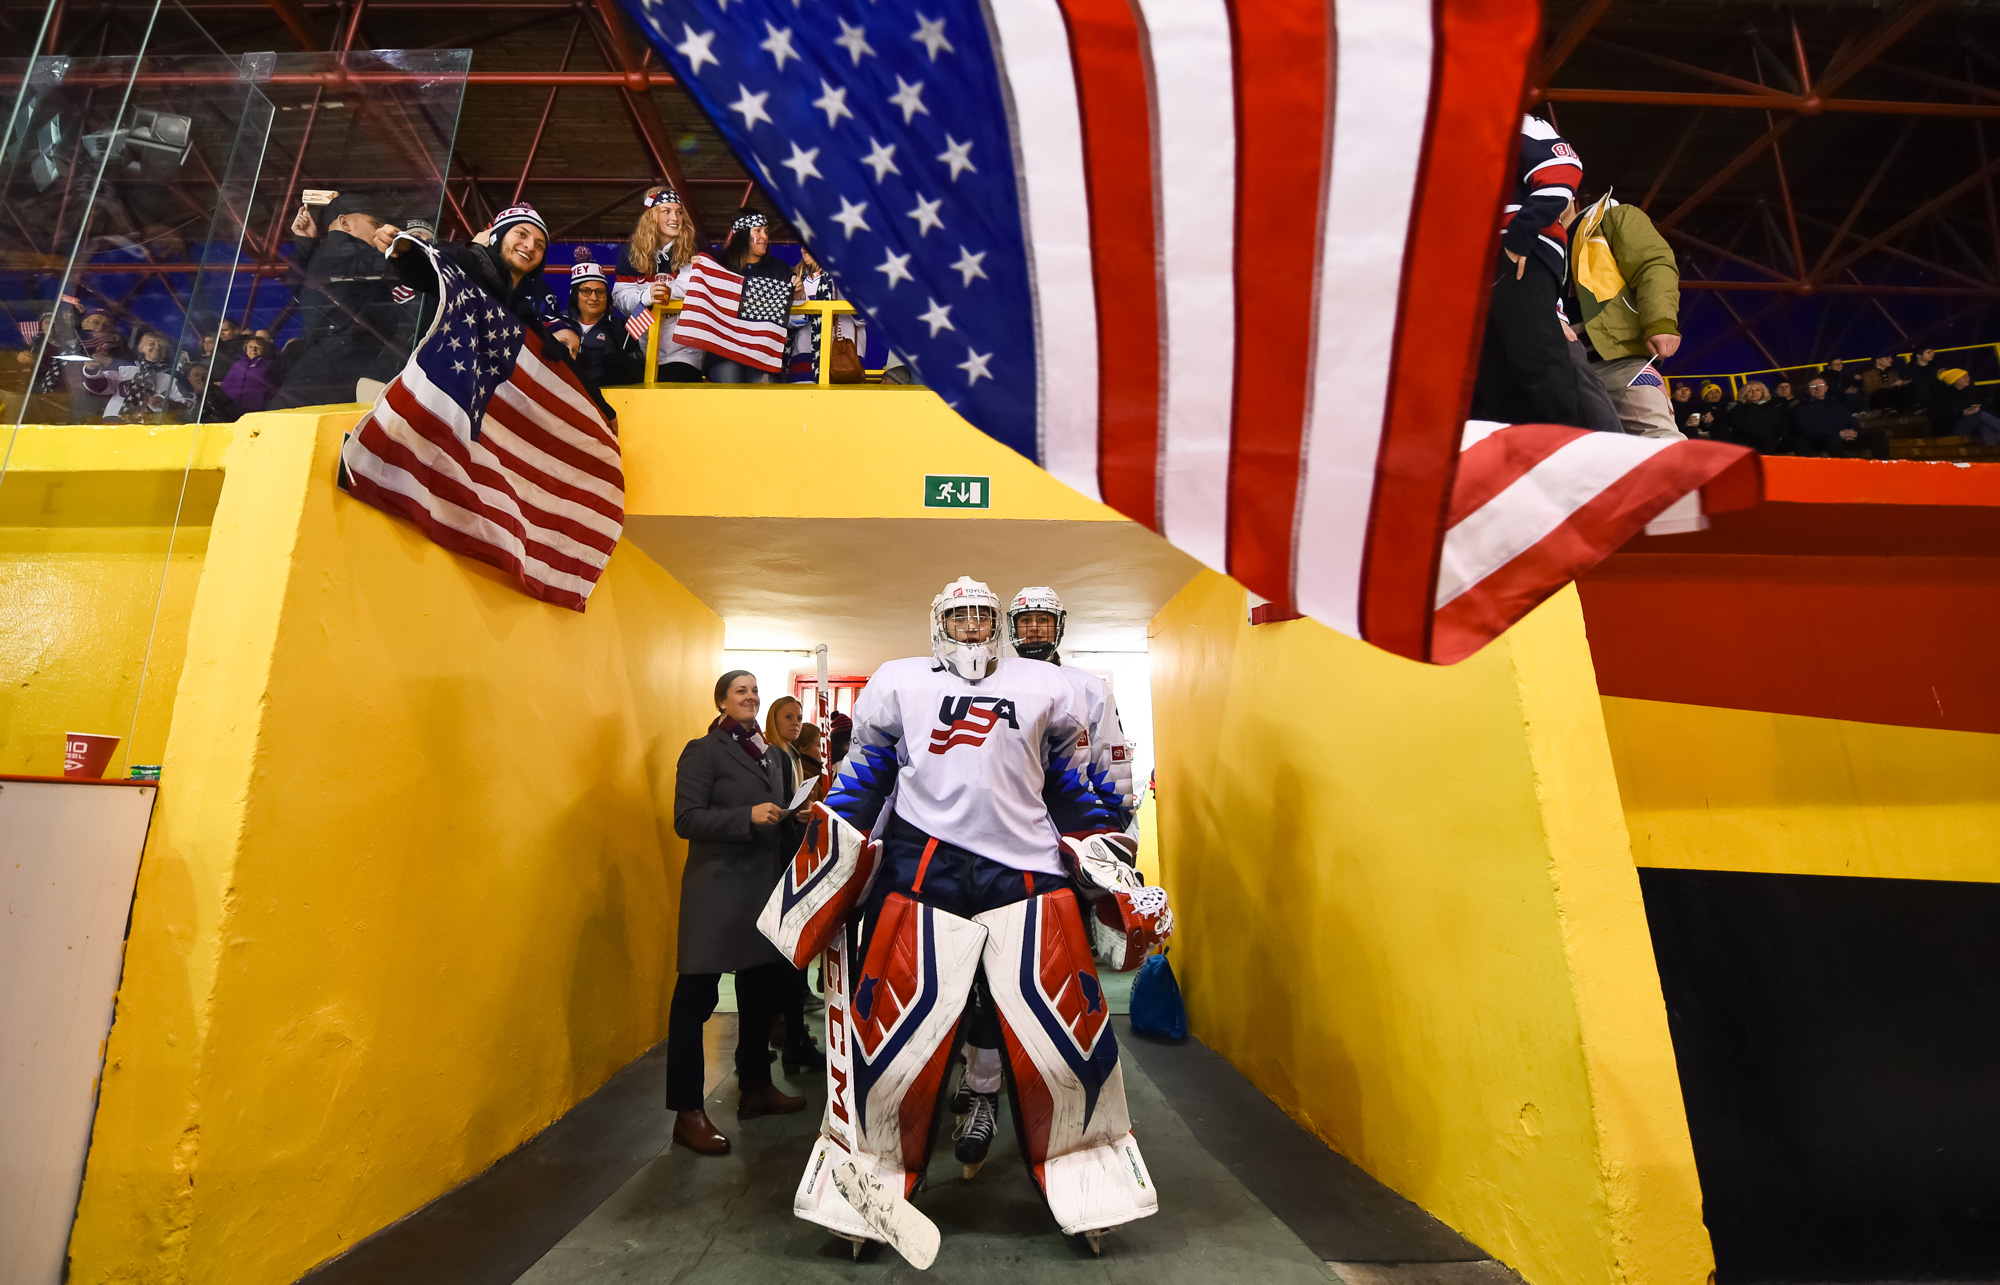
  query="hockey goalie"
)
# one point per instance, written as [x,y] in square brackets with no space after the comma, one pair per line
[964,878]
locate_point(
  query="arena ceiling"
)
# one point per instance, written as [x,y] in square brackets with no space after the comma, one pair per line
[1818,166]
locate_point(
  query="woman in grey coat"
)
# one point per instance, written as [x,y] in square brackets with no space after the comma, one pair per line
[727,806]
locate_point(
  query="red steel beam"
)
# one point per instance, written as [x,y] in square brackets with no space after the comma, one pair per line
[1861,201]
[1914,217]
[1839,287]
[639,79]
[548,108]
[1572,35]
[293,15]
[609,29]
[1805,105]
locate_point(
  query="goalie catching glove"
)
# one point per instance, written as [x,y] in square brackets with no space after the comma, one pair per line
[1127,918]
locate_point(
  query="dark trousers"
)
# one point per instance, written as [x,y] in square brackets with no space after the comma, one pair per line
[936,873]
[1525,375]
[1594,406]
[760,994]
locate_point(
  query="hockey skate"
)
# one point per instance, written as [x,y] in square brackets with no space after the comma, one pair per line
[973,1136]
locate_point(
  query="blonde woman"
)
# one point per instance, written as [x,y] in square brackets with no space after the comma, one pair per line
[654,267]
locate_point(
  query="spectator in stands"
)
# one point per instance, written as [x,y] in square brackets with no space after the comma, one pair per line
[212,405]
[100,338]
[1629,297]
[1961,412]
[812,282]
[228,343]
[251,382]
[1824,425]
[142,389]
[654,267]
[1686,411]
[1525,374]
[506,260]
[1757,422]
[354,328]
[1844,382]
[607,353]
[1711,416]
[1782,393]
[726,806]
[1893,391]
[747,251]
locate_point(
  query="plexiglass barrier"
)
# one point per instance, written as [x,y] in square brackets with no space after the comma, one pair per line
[185,238]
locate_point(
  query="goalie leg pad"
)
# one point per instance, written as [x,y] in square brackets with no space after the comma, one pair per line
[1069,1092]
[906,1002]
[823,882]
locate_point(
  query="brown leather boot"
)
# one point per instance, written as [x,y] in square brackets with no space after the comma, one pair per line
[693,1130]
[768,1100]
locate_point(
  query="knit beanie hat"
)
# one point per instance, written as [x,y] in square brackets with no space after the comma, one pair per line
[1951,376]
[513,215]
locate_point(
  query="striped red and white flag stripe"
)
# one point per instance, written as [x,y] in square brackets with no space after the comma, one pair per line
[528,479]
[1276,378]
[708,320]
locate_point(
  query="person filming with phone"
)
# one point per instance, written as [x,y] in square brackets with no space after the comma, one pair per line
[354,327]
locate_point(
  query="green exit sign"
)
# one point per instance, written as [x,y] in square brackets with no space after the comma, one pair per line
[955,492]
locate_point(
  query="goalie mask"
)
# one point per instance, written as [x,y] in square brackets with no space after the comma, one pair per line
[965,629]
[1037,598]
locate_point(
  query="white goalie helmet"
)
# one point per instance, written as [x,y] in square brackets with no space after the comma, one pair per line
[971,661]
[1035,598]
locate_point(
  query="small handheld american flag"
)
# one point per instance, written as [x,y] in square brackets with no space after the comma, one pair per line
[640,323]
[1647,378]
[492,446]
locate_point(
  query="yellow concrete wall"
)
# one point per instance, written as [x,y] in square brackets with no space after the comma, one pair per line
[1729,789]
[719,449]
[1407,910]
[96,582]
[411,887]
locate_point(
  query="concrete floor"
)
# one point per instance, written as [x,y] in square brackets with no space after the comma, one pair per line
[1245,1195]
[686,1218]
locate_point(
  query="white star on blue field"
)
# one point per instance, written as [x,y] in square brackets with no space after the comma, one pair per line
[881,130]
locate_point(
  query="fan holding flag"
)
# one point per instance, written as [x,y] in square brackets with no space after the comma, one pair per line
[738,304]
[488,440]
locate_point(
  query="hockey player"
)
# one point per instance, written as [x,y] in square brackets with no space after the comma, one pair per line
[972,768]
[1035,620]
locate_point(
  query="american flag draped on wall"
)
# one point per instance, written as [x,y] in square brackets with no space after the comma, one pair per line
[494,449]
[1219,263]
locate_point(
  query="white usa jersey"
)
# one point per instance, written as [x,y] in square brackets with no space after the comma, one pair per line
[1110,758]
[997,767]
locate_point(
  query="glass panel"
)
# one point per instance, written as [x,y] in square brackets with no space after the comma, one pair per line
[148,201]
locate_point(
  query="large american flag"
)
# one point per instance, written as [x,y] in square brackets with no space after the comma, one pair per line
[1213,262]
[734,316]
[493,448]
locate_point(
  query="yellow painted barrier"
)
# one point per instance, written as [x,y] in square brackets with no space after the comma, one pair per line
[825,309]
[411,889]
[1407,910]
[795,451]
[96,582]
[1728,789]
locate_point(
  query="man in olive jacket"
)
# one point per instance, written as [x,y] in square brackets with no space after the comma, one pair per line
[1629,296]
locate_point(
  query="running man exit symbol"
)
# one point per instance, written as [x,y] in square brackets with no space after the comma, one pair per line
[955,492]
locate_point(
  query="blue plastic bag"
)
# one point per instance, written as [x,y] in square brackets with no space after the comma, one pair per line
[1156,1007]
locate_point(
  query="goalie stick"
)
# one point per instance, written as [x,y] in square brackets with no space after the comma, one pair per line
[840,1190]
